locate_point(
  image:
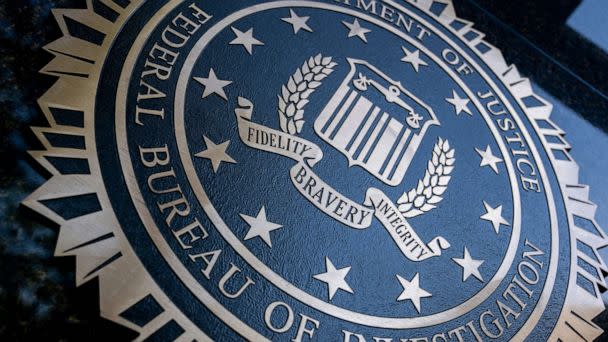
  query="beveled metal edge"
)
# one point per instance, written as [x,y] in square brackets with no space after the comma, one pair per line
[102,251]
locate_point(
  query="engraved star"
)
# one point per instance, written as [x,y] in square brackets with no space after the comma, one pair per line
[355,29]
[488,158]
[298,23]
[460,104]
[494,215]
[413,58]
[412,291]
[245,39]
[470,266]
[216,153]
[334,278]
[213,85]
[259,226]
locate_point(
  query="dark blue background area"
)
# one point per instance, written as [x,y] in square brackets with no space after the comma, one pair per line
[37,294]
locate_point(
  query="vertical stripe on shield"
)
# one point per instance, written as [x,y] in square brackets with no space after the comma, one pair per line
[322,121]
[388,170]
[340,114]
[372,137]
[384,145]
[368,123]
[353,121]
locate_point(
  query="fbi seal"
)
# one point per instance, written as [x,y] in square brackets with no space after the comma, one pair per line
[344,170]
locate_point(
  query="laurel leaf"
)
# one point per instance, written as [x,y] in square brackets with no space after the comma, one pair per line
[291,127]
[283,122]
[302,86]
[434,180]
[291,110]
[435,199]
[412,213]
[297,77]
[439,170]
[427,207]
[299,125]
[442,158]
[282,104]
[318,59]
[443,181]
[427,179]
[405,207]
[299,115]
[285,93]
[412,194]
[311,62]
[428,192]
[450,162]
[307,93]
[435,159]
[305,69]
[419,201]
[439,190]
[314,85]
[302,103]
[294,98]
[446,146]
[430,168]
[448,169]
[291,85]
[420,187]
[450,153]
[332,65]
[320,77]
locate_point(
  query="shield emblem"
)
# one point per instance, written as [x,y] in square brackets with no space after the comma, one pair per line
[375,122]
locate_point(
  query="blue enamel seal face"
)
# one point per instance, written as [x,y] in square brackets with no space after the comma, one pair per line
[333,170]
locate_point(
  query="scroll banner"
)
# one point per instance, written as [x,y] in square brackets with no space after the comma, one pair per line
[326,198]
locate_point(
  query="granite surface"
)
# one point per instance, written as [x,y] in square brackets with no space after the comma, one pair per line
[38,298]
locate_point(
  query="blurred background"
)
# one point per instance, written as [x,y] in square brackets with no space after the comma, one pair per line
[562,45]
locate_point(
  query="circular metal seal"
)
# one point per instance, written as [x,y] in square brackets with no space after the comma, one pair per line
[312,170]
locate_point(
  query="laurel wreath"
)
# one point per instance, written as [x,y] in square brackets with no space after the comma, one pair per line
[294,95]
[428,193]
